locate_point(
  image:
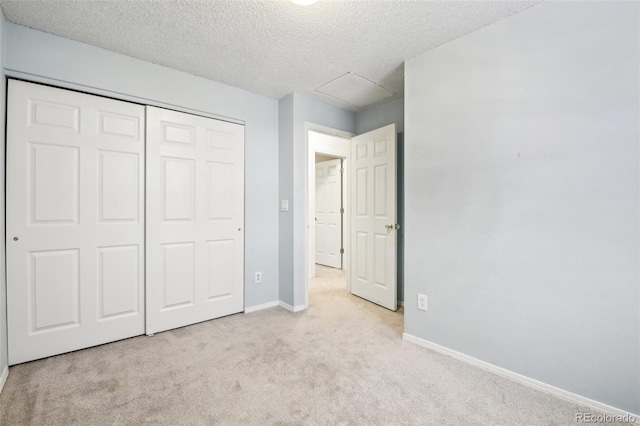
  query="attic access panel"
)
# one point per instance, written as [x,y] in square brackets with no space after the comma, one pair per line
[354,89]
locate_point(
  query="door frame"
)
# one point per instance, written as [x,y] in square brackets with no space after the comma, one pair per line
[309,191]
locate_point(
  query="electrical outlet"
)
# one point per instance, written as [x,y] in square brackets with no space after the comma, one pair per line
[422,302]
[258,278]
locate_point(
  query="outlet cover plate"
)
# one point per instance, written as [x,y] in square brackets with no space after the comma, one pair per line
[422,302]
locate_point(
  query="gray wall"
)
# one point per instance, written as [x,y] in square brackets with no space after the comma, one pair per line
[39,56]
[373,118]
[522,197]
[3,289]
[308,110]
[285,185]
[381,115]
[298,110]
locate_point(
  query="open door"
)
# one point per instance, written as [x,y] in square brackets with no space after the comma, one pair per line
[373,217]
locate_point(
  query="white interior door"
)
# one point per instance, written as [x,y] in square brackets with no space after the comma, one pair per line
[75,220]
[328,217]
[195,219]
[373,216]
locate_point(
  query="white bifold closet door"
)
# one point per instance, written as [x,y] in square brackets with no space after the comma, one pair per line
[75,220]
[195,219]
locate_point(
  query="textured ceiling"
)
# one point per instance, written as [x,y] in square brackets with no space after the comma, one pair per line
[268,47]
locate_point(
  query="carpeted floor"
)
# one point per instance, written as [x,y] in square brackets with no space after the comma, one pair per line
[342,361]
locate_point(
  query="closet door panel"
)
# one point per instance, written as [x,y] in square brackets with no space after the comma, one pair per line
[75,228]
[195,219]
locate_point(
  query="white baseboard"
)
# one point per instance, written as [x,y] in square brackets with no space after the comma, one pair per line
[286,306]
[544,387]
[3,377]
[299,308]
[261,307]
[290,308]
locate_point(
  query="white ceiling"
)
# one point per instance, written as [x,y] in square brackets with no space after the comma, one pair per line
[270,47]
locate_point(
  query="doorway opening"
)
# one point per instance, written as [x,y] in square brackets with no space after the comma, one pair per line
[327,196]
[369,251]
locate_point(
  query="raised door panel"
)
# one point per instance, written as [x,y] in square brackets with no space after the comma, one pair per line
[119,281]
[178,275]
[54,284]
[119,189]
[380,260]
[362,192]
[362,249]
[217,139]
[178,134]
[178,189]
[54,115]
[220,194]
[119,125]
[221,268]
[54,195]
[380,186]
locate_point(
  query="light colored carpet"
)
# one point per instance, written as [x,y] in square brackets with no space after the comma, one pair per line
[342,361]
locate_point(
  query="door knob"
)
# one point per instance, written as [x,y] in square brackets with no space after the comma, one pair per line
[392,226]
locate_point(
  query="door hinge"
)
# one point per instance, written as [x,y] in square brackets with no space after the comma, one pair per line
[342,210]
[341,170]
[341,251]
